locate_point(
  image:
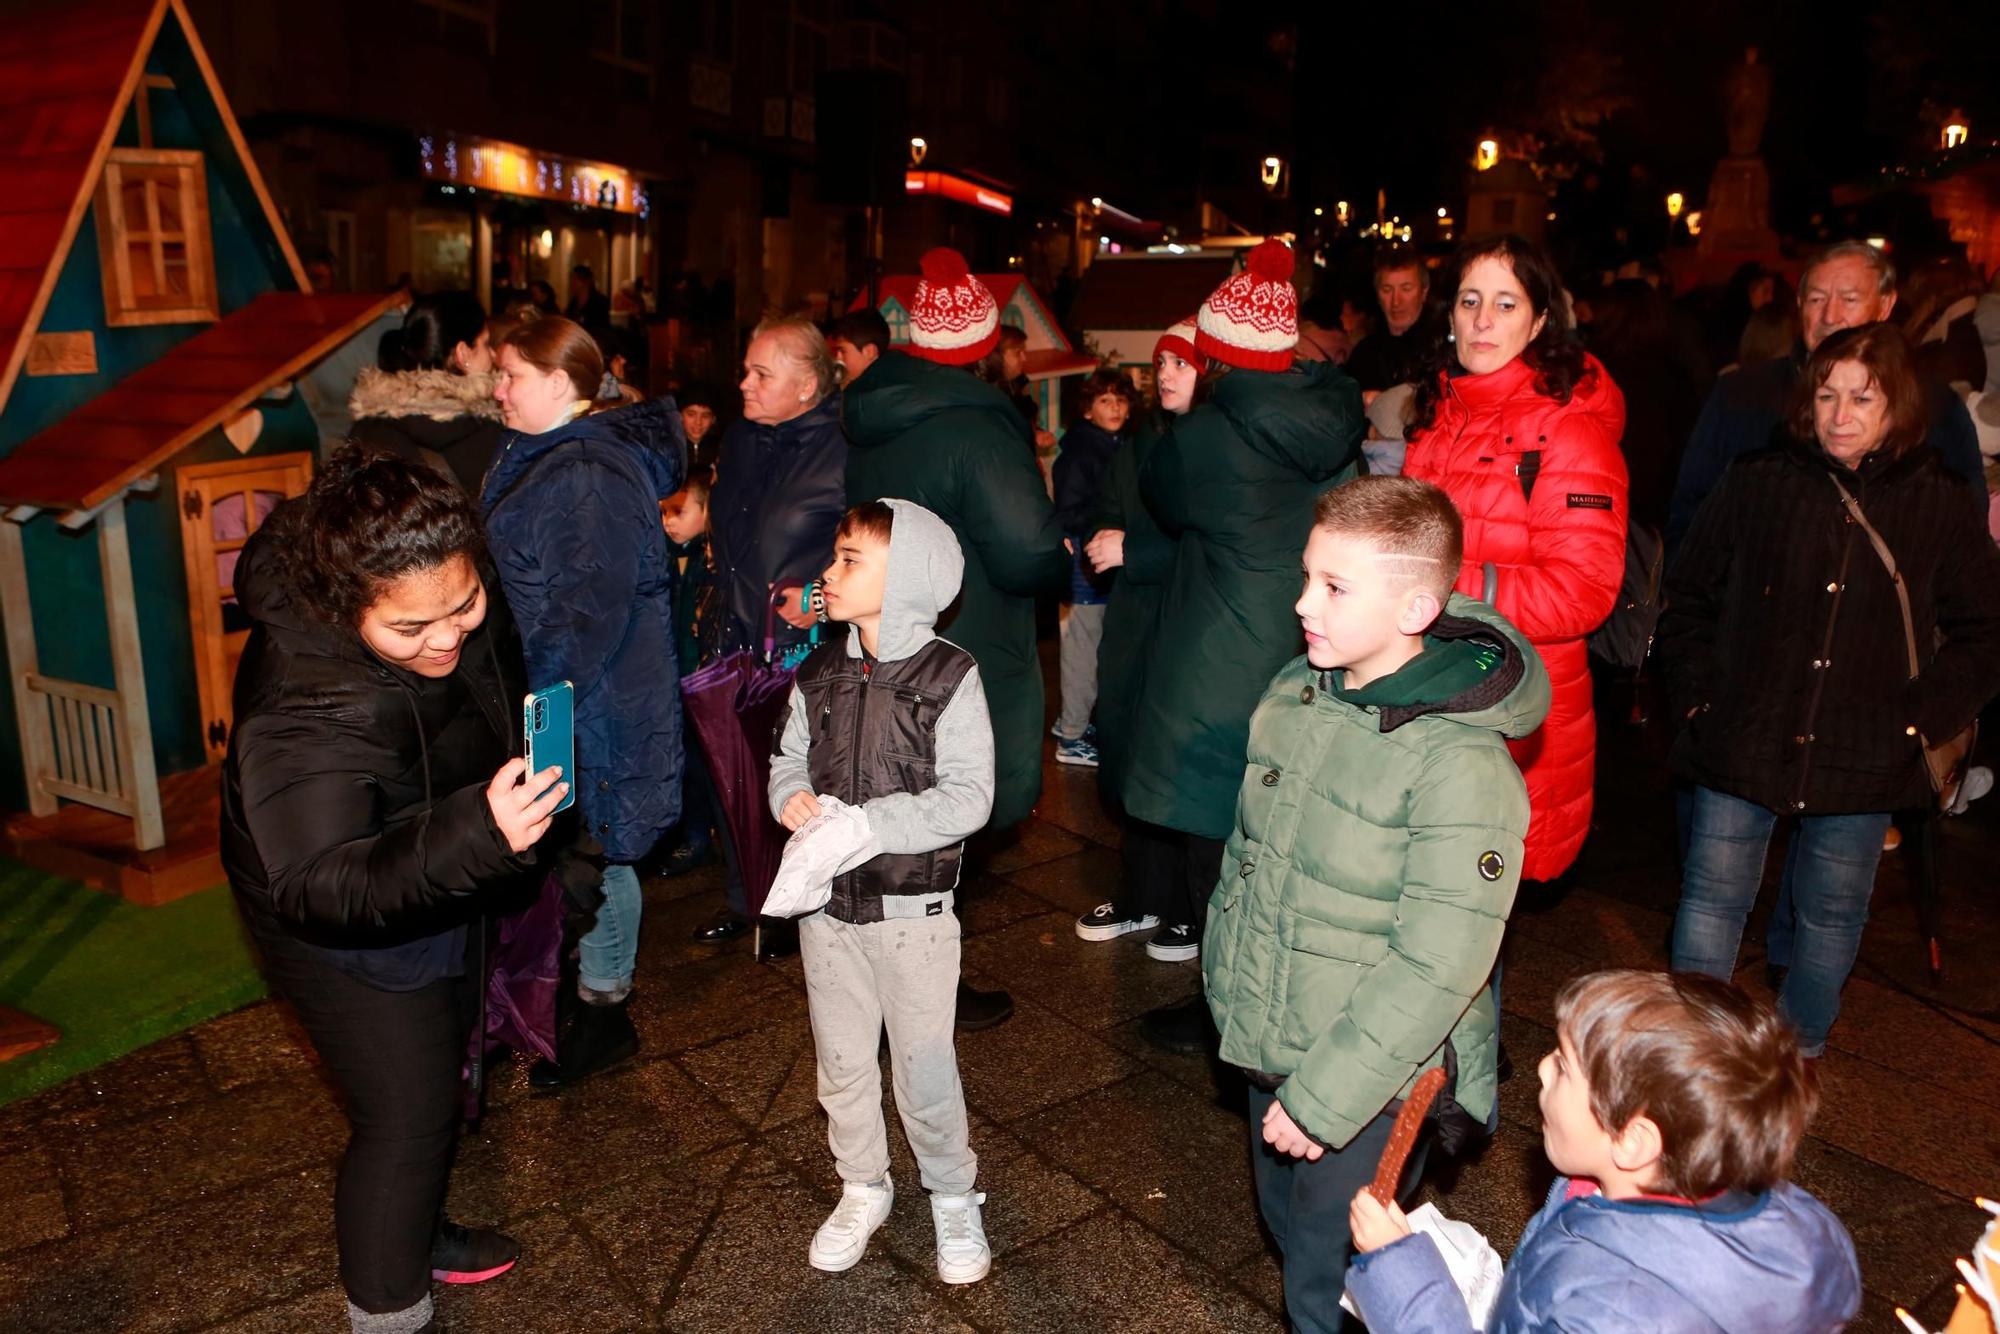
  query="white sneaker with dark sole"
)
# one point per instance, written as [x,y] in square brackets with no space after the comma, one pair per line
[963,1255]
[1104,923]
[843,1238]
[1175,944]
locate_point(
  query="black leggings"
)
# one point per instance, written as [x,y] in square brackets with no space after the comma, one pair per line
[1168,873]
[396,1058]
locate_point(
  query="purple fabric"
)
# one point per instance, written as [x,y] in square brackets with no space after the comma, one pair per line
[526,970]
[734,705]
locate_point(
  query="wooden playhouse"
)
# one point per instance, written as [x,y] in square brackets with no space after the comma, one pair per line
[153,315]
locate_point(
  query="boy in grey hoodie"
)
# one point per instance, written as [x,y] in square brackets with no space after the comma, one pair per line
[891,719]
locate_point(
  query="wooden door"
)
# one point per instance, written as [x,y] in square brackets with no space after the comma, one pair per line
[221,504]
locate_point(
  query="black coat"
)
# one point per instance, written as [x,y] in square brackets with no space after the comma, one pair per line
[1770,567]
[779,494]
[354,811]
[449,421]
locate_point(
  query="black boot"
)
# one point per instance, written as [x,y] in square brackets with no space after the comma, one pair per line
[982,1009]
[601,1037]
[725,926]
[470,1254]
[1184,1028]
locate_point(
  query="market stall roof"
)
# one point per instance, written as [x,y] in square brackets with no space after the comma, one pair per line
[67,74]
[149,416]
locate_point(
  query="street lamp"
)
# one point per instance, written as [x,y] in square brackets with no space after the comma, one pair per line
[918,150]
[1694,223]
[1955,133]
[1272,170]
[1675,202]
[1488,156]
[1340,210]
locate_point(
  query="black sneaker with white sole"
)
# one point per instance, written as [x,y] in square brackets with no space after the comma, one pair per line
[1175,944]
[1105,922]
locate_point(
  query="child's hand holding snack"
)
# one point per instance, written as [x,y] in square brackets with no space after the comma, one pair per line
[1373,1223]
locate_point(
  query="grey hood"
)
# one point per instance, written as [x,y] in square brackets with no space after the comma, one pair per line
[925,569]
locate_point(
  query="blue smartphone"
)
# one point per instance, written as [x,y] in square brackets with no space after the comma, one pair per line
[548,722]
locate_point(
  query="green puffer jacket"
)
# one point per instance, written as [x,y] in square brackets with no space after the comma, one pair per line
[1137,589]
[1368,881]
[941,437]
[1235,479]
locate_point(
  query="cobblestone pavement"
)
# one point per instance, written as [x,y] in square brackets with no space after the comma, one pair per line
[189,1185]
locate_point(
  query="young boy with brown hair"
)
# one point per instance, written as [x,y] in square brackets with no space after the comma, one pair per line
[1087,450]
[1672,1105]
[1374,862]
[891,719]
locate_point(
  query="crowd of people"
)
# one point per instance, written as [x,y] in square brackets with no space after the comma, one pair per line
[1328,596]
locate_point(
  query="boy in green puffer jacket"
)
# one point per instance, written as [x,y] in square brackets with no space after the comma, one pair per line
[1374,861]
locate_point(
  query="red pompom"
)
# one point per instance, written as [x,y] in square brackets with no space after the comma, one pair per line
[945,267]
[1270,262]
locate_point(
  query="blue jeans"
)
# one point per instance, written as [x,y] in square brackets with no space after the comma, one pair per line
[1832,870]
[611,950]
[1778,933]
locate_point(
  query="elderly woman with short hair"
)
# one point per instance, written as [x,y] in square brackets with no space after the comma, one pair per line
[780,489]
[1788,648]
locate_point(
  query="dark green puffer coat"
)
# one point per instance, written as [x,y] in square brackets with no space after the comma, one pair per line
[941,437]
[1137,588]
[1367,883]
[1236,479]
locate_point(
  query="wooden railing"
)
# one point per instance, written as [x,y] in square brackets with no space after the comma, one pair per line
[85,725]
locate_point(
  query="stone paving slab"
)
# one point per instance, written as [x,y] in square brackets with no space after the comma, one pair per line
[188,1186]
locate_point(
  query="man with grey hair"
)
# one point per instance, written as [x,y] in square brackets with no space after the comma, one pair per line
[1847,284]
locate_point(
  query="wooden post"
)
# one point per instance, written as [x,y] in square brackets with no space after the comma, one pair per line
[30,716]
[121,608]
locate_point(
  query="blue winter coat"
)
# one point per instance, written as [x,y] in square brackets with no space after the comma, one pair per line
[573,518]
[1775,1263]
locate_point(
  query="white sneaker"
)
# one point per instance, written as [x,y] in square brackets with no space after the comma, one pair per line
[962,1253]
[843,1238]
[1978,781]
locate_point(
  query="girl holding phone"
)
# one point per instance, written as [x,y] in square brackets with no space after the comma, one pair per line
[371,814]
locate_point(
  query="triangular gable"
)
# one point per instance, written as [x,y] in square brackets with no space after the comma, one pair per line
[1014,295]
[67,75]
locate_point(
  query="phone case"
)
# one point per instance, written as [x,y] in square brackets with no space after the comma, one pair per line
[548,722]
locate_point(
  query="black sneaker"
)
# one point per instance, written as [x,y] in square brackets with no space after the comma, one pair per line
[1105,922]
[982,1009]
[1175,944]
[471,1254]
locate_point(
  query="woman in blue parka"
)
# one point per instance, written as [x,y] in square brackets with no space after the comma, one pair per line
[573,517]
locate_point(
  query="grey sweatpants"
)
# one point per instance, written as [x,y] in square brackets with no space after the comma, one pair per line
[902,972]
[1082,631]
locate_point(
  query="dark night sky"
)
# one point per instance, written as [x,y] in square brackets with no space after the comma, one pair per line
[1395,95]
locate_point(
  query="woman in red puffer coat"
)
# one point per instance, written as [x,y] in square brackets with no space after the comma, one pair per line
[1520,426]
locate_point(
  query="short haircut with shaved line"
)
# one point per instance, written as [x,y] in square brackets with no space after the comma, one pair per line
[1417,534]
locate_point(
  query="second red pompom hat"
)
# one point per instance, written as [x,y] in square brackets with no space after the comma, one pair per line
[953,318]
[1251,322]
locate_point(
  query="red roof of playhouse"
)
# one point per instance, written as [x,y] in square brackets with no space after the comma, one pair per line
[67,73]
[1049,352]
[159,410]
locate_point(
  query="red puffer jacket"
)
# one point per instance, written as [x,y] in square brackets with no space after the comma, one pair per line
[1559,559]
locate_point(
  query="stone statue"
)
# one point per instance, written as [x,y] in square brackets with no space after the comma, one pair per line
[1748,105]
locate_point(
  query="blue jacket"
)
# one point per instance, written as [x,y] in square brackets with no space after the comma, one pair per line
[1746,405]
[573,518]
[1078,478]
[1775,1263]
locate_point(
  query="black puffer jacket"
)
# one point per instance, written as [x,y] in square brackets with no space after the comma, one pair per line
[1771,568]
[779,494]
[433,417]
[354,811]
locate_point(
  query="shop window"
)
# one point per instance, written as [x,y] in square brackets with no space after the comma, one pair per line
[152,238]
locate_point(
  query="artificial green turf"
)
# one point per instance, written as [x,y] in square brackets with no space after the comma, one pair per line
[111,975]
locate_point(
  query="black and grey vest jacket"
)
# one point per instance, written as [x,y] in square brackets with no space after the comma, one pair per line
[874,732]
